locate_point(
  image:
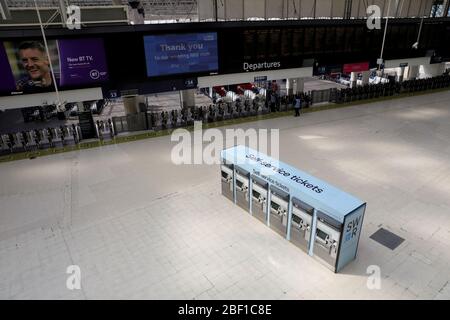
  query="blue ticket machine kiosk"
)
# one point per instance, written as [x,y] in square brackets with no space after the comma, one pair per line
[320,219]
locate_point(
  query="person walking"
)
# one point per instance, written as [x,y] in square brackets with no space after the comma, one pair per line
[297,106]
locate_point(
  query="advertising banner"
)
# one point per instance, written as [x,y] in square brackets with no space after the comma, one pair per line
[82,61]
[7,83]
[356,67]
[30,65]
[25,65]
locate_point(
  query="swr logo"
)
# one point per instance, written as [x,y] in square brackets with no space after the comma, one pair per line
[352,228]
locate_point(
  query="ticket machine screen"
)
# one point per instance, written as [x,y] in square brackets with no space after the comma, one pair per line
[322,235]
[275,206]
[296,219]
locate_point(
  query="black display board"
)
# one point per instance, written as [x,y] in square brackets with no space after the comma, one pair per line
[256,46]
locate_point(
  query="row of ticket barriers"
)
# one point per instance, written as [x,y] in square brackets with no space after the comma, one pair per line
[270,206]
[371,91]
[51,137]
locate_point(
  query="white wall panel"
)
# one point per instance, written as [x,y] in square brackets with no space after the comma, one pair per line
[358,9]
[38,99]
[234,9]
[205,9]
[323,8]
[235,78]
[414,8]
[410,61]
[221,9]
[428,4]
[275,8]
[307,8]
[338,8]
[293,8]
[254,8]
[403,8]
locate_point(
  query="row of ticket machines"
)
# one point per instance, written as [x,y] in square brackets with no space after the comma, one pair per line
[328,231]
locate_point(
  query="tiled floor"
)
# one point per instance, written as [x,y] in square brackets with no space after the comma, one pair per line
[140,227]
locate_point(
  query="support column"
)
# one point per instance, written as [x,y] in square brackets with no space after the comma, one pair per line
[187,98]
[131,104]
[290,87]
[300,85]
[401,74]
[353,79]
[81,107]
[413,72]
[86,121]
[365,77]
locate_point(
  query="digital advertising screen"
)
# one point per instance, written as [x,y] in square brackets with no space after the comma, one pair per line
[181,53]
[25,65]
[7,83]
[82,62]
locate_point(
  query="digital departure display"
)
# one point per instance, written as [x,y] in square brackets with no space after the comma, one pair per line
[181,53]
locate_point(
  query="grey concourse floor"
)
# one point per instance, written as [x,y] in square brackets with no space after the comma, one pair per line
[141,227]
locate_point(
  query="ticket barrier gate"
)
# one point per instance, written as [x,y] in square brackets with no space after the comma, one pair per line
[326,243]
[242,181]
[301,224]
[259,200]
[227,181]
[278,211]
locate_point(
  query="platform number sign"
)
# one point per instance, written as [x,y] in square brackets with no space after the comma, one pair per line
[190,83]
[113,94]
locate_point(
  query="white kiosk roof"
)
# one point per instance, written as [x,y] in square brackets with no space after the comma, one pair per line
[315,192]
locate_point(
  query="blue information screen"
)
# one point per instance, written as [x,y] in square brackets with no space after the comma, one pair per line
[181,53]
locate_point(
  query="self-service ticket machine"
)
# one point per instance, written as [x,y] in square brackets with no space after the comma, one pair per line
[278,211]
[302,215]
[259,199]
[322,220]
[242,191]
[328,235]
[227,181]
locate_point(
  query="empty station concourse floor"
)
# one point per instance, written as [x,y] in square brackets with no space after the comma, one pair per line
[140,227]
